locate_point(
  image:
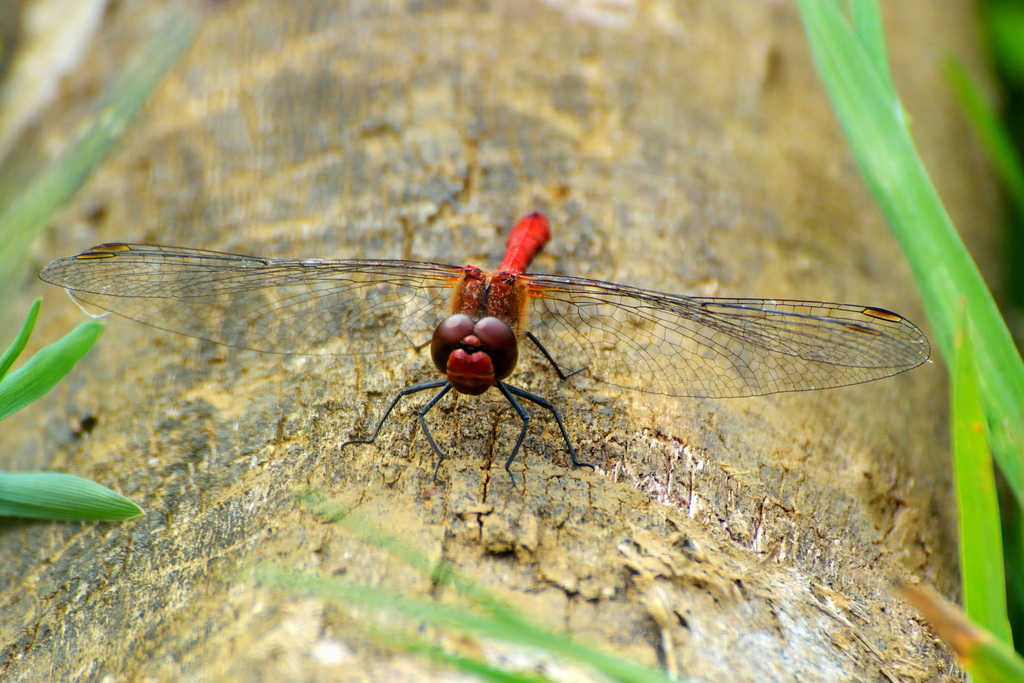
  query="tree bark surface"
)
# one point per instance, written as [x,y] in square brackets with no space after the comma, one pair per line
[684,147]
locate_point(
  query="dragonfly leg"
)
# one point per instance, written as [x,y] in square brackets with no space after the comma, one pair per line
[561,375]
[415,388]
[423,423]
[506,389]
[506,392]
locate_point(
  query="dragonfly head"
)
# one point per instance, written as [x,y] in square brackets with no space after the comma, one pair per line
[474,354]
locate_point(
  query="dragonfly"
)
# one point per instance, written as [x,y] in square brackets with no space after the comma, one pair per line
[474,321]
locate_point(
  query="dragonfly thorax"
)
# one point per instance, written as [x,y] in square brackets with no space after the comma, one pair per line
[474,354]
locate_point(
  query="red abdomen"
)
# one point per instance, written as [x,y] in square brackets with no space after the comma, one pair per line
[526,239]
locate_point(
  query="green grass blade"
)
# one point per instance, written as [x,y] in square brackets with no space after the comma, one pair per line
[441,573]
[18,345]
[995,661]
[46,368]
[866,20]
[981,541]
[872,120]
[470,666]
[497,620]
[374,598]
[52,495]
[54,185]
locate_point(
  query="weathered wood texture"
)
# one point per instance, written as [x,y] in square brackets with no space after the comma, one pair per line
[687,147]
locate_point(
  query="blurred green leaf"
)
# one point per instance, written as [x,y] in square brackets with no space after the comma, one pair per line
[54,185]
[990,131]
[488,616]
[1005,22]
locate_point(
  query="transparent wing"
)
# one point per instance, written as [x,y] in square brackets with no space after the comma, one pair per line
[709,347]
[624,336]
[306,306]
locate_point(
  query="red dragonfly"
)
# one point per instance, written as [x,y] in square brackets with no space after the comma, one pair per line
[623,336]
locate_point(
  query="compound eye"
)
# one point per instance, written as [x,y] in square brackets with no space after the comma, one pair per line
[500,343]
[447,337]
